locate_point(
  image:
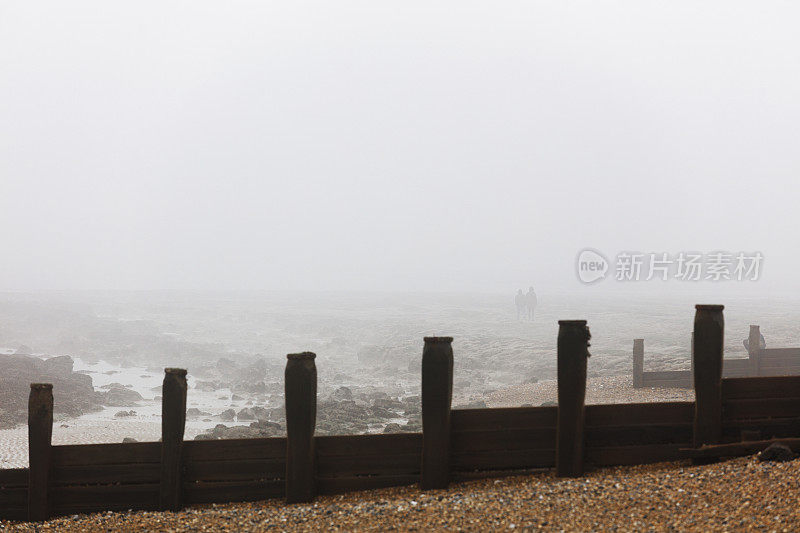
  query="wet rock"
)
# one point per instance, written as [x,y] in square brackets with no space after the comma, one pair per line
[207,386]
[119,396]
[393,428]
[228,415]
[246,414]
[195,412]
[343,393]
[123,414]
[128,440]
[776,452]
[221,431]
[73,394]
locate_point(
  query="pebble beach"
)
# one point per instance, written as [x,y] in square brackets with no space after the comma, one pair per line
[737,495]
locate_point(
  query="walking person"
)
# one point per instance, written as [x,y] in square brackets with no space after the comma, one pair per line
[520,302]
[530,302]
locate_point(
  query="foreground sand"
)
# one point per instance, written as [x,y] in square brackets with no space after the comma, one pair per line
[737,495]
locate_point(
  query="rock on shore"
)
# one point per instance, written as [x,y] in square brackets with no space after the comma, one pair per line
[73,394]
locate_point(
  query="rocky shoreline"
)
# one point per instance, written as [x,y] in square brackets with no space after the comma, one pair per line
[73,393]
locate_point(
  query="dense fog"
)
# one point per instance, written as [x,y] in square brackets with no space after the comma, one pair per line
[213,186]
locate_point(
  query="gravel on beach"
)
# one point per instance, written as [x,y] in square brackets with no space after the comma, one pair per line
[737,495]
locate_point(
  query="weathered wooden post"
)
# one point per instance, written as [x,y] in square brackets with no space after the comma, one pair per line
[173,423]
[301,418]
[573,352]
[691,357]
[754,350]
[40,433]
[707,354]
[437,396]
[638,363]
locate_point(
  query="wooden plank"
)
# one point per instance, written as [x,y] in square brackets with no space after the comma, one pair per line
[339,485]
[16,498]
[635,455]
[736,449]
[780,371]
[512,459]
[504,418]
[760,387]
[393,443]
[736,368]
[600,436]
[780,353]
[234,470]
[14,513]
[130,473]
[98,454]
[639,414]
[767,427]
[240,449]
[504,439]
[762,408]
[102,507]
[14,477]
[233,491]
[361,465]
[80,498]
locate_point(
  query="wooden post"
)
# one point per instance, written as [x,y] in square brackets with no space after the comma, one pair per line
[301,418]
[437,396]
[638,363]
[173,423]
[691,357]
[709,330]
[40,433]
[754,350]
[573,352]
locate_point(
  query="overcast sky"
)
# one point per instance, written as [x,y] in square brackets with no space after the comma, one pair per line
[390,145]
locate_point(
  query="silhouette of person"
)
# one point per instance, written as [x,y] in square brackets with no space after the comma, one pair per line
[530,302]
[520,302]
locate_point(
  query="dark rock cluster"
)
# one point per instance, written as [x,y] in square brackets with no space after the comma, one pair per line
[73,394]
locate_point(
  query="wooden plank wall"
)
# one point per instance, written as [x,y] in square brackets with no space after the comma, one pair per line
[677,379]
[779,362]
[86,478]
[638,433]
[235,470]
[359,462]
[14,494]
[511,438]
[766,407]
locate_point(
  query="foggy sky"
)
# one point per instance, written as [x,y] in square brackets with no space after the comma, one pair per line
[390,145]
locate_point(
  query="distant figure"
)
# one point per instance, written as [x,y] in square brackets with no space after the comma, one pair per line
[530,302]
[521,303]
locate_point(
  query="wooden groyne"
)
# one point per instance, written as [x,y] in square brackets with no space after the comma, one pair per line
[454,444]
